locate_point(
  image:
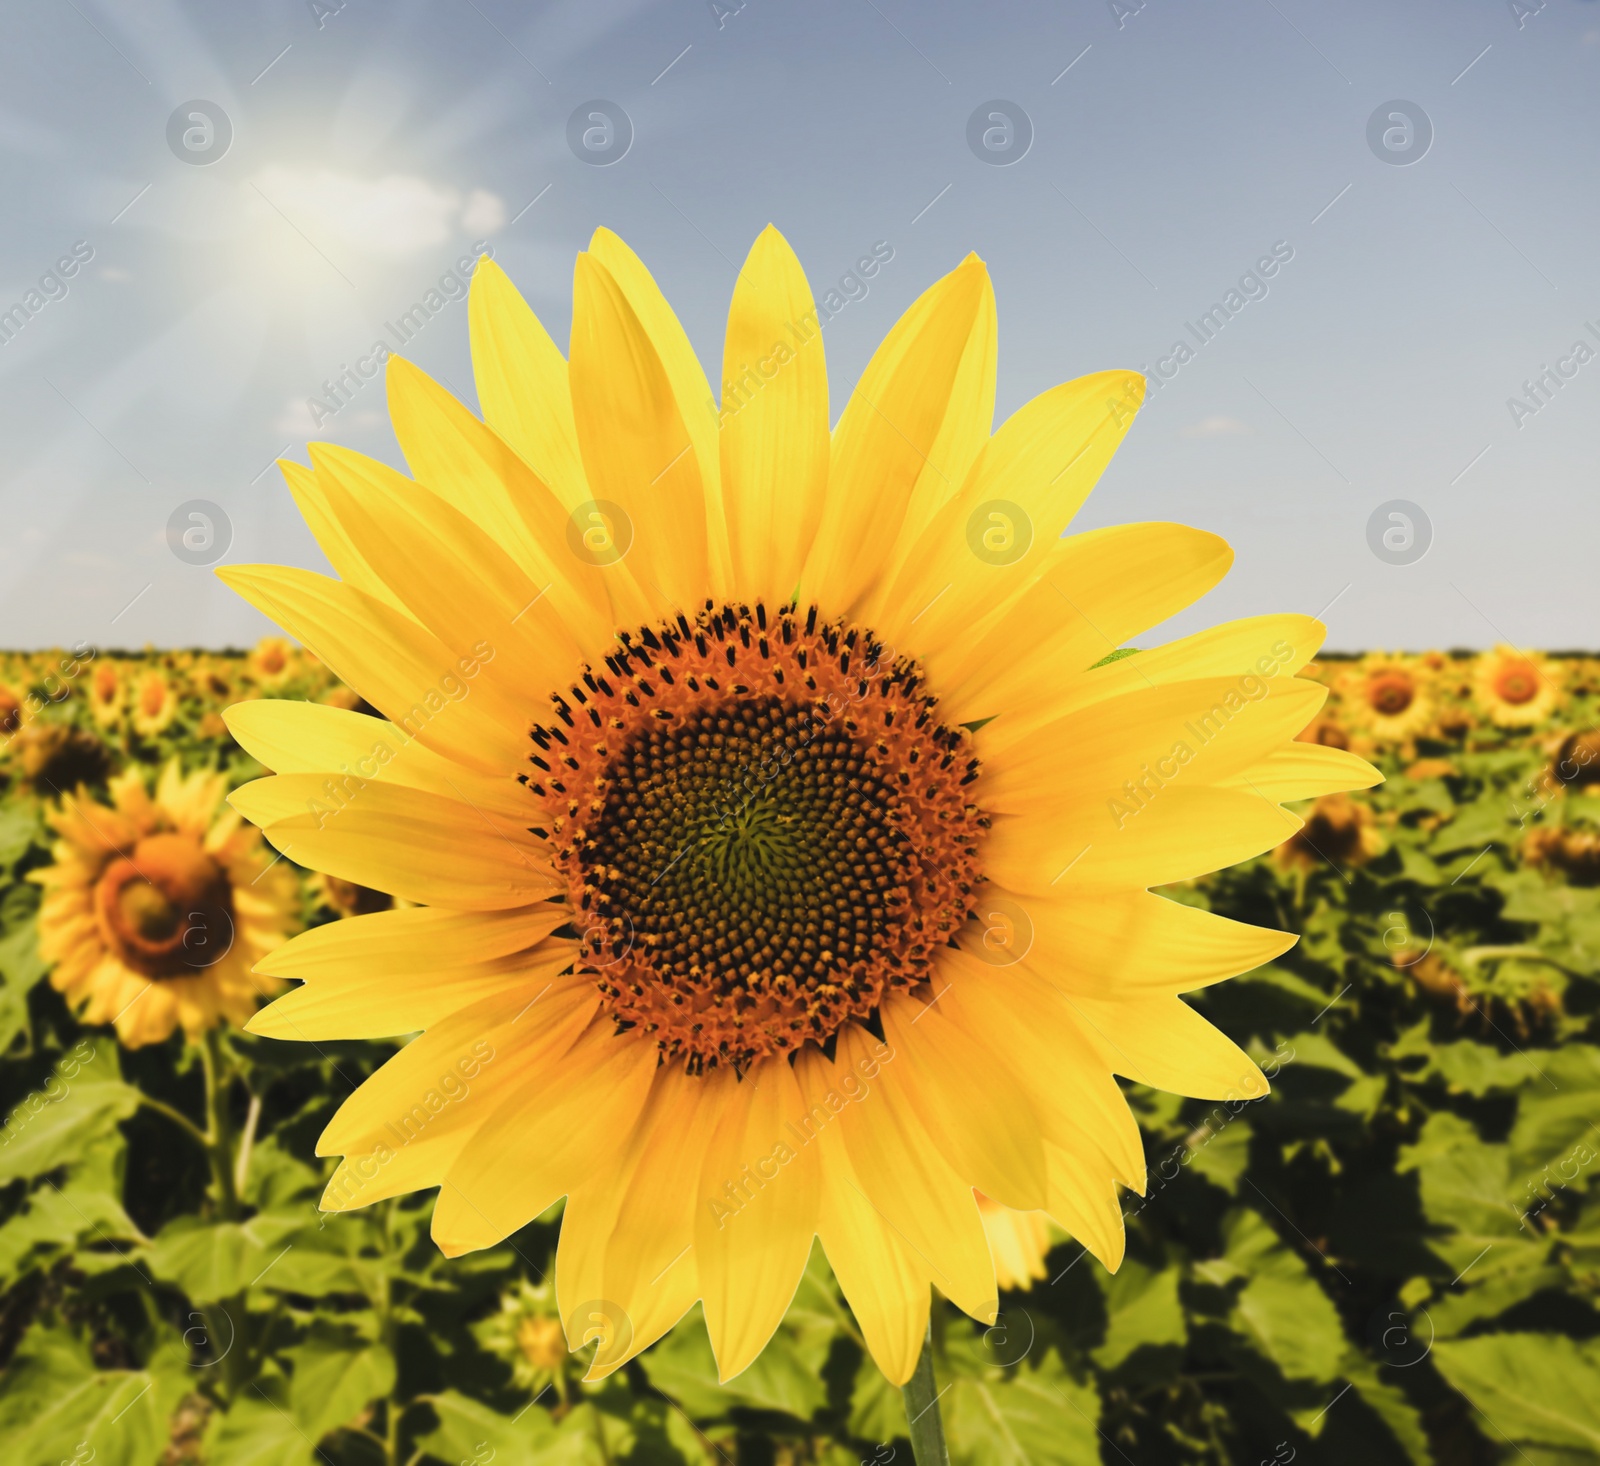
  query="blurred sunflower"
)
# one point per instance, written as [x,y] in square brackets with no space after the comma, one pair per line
[154,704]
[526,1332]
[156,909]
[676,756]
[1018,1241]
[106,693]
[271,662]
[1388,698]
[1516,689]
[345,898]
[1338,831]
[11,702]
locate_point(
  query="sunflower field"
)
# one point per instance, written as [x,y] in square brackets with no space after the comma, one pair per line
[1393,1257]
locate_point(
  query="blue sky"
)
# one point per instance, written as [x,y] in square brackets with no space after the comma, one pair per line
[1173,146]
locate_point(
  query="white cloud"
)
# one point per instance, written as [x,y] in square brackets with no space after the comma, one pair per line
[1217,427]
[396,215]
[485,213]
[295,419]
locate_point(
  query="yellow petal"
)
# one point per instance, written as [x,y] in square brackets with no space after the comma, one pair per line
[891,435]
[384,1001]
[452,576]
[1164,1043]
[907,1180]
[1121,942]
[349,749]
[774,434]
[521,378]
[469,467]
[1304,771]
[423,847]
[631,1248]
[756,1213]
[1097,590]
[1264,648]
[403,670]
[637,451]
[348,562]
[1131,751]
[977,1114]
[1021,1014]
[884,1280]
[697,407]
[1027,483]
[405,1127]
[411,939]
[541,1141]
[1181,834]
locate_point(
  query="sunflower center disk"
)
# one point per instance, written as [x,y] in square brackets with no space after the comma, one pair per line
[763,826]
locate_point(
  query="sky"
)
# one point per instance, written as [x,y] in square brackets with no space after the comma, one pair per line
[211,211]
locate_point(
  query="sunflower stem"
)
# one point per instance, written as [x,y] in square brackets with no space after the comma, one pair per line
[219,1131]
[922,1411]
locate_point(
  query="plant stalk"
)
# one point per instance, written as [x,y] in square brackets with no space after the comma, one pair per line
[922,1411]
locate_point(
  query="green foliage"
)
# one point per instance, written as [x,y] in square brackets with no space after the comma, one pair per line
[1393,1258]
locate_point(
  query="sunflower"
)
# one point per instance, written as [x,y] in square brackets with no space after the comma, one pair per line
[154,705]
[156,909]
[271,662]
[702,730]
[106,693]
[1338,831]
[1018,1242]
[1388,698]
[1516,689]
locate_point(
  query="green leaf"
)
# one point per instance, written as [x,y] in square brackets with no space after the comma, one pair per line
[57,1405]
[1222,1156]
[21,967]
[469,1433]
[258,1430]
[1281,1308]
[336,1375]
[786,1375]
[19,828]
[1143,1309]
[85,1211]
[83,1099]
[877,1408]
[469,1430]
[1391,1405]
[216,1260]
[1535,1389]
[1022,1417]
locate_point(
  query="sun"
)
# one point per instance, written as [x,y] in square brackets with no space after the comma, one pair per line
[712,741]
[157,908]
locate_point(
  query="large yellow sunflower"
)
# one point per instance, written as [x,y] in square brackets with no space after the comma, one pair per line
[1516,689]
[705,734]
[157,909]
